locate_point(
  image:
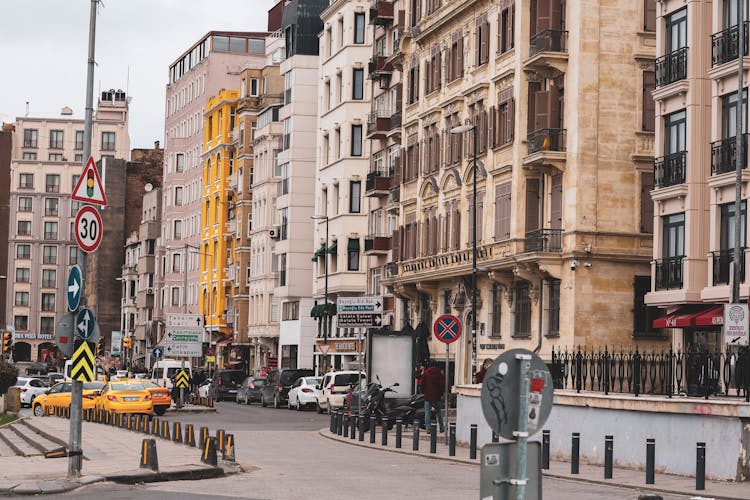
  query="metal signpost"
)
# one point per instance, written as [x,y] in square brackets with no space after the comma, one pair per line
[64,334]
[447,329]
[517,376]
[75,288]
[88,229]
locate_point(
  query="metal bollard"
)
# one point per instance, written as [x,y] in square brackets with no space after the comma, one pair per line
[433,437]
[700,467]
[545,449]
[332,426]
[609,444]
[452,441]
[361,422]
[473,442]
[373,424]
[574,452]
[345,431]
[384,434]
[415,436]
[340,423]
[650,460]
[399,430]
[495,437]
[352,427]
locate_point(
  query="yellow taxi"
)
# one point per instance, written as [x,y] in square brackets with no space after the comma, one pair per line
[128,396]
[159,395]
[60,395]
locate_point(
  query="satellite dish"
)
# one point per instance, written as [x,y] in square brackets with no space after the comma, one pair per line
[148,187]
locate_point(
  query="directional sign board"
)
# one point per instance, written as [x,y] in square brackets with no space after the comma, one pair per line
[116,344]
[90,188]
[88,229]
[157,352]
[83,367]
[447,328]
[64,334]
[183,341]
[75,288]
[182,380]
[85,323]
[185,321]
[359,312]
[359,320]
[184,350]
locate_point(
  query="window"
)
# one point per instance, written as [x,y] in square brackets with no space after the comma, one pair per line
[178,195]
[30,137]
[177,234]
[414,81]
[649,105]
[289,357]
[24,228]
[25,204]
[358,84]
[287,87]
[23,251]
[729,115]
[375,275]
[48,302]
[505,29]
[290,311]
[482,37]
[647,205]
[22,299]
[676,31]
[29,156]
[352,252]
[282,269]
[47,325]
[359,27]
[254,87]
[175,296]
[78,158]
[355,195]
[52,183]
[553,311]
[49,254]
[26,181]
[79,139]
[283,222]
[283,173]
[179,162]
[73,256]
[50,230]
[22,274]
[49,278]
[649,15]
[674,132]
[21,323]
[356,140]
[56,157]
[176,261]
[523,310]
[497,307]
[56,139]
[50,207]
[503,209]
[287,139]
[728,221]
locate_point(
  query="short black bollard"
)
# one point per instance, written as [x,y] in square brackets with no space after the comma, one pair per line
[415,436]
[345,431]
[473,442]
[340,423]
[433,437]
[189,435]
[228,453]
[352,427]
[452,440]
[384,434]
[202,437]
[700,467]
[208,455]
[399,431]
[574,452]
[220,440]
[177,432]
[495,437]
[148,455]
[650,460]
[362,419]
[609,444]
[545,449]
[373,424]
[332,427]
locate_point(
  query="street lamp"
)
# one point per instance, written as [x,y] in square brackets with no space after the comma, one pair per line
[325,270]
[460,130]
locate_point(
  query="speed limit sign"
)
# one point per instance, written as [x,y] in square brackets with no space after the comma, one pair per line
[88,229]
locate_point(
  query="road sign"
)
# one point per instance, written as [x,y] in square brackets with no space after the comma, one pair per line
[157,352]
[116,346]
[83,366]
[369,303]
[64,334]
[88,229]
[182,380]
[447,328]
[736,324]
[359,320]
[75,288]
[90,188]
[184,349]
[324,349]
[181,335]
[501,392]
[185,320]
[85,323]
[498,471]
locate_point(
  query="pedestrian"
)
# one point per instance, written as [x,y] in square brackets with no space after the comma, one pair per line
[418,374]
[479,377]
[433,387]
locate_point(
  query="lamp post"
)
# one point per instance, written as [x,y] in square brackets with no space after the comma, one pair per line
[740,156]
[460,130]
[325,300]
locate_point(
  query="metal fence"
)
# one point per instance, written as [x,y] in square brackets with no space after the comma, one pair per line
[690,372]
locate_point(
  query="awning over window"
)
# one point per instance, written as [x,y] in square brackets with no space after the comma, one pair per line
[332,249]
[319,310]
[712,317]
[353,245]
[320,251]
[686,317]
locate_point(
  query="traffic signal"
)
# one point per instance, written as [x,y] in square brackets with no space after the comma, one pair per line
[7,341]
[90,183]
[127,342]
[100,347]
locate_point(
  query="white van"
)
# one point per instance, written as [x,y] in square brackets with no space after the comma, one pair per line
[163,371]
[69,366]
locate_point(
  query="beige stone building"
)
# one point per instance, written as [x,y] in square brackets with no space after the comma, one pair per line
[558,96]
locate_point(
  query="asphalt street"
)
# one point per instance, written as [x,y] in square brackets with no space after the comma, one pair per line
[285,458]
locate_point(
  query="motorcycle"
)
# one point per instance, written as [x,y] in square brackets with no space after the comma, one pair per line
[408,412]
[374,405]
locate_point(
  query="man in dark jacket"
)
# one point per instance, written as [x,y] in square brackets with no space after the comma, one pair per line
[433,387]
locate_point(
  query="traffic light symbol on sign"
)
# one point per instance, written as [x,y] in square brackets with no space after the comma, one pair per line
[90,183]
[7,341]
[127,342]
[100,347]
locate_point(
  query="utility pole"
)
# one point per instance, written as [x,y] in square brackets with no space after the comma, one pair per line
[74,445]
[740,156]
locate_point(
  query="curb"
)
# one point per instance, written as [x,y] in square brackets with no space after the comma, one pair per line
[190,410]
[171,474]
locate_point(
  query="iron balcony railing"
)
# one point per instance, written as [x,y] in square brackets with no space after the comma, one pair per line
[546,139]
[724,155]
[669,273]
[691,372]
[724,45]
[543,240]
[721,265]
[548,41]
[670,170]
[395,120]
[672,67]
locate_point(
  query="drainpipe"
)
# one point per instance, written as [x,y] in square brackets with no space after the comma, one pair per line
[541,281]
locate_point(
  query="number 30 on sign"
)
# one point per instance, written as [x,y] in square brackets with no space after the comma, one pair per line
[88,229]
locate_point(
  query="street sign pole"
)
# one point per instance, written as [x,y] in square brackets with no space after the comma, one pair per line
[447,361]
[522,434]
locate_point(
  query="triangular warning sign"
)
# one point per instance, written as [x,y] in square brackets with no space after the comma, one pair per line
[89,188]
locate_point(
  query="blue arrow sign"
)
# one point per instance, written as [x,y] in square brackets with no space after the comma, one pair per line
[85,323]
[157,353]
[75,288]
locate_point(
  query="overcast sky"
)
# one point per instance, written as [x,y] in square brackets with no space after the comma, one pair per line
[43,47]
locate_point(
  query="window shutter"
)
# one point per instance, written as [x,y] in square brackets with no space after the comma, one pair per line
[427,75]
[649,15]
[502,211]
[500,32]
[553,106]
[417,160]
[438,151]
[478,44]
[532,204]
[416,83]
[543,19]
[396,246]
[417,232]
[556,202]
[541,110]
[399,96]
[455,230]
[511,28]
[445,228]
[480,217]
[449,64]
[460,58]
[556,9]
[398,173]
[439,69]
[534,88]
[418,10]
[510,123]
[649,106]
[491,131]
[647,205]
[469,226]
[485,41]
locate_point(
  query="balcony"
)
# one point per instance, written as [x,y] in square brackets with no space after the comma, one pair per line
[724,45]
[391,270]
[724,155]
[381,12]
[377,245]
[378,124]
[669,273]
[548,41]
[379,67]
[378,183]
[546,139]
[543,240]
[721,265]
[670,170]
[671,67]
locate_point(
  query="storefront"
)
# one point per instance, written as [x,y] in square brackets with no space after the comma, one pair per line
[342,354]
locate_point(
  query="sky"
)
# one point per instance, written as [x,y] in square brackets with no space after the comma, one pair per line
[44,47]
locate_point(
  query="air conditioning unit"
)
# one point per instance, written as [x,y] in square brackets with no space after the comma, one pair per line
[149,291]
[415,31]
[274,232]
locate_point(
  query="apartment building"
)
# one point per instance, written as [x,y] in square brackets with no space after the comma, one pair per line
[6,153]
[341,224]
[564,168]
[694,199]
[46,162]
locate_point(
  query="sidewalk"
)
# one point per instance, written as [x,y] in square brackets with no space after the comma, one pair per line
[110,453]
[624,478]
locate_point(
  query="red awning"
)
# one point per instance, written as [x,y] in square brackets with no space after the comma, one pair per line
[681,318]
[711,317]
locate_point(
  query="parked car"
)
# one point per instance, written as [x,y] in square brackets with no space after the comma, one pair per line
[335,388]
[278,383]
[302,393]
[30,389]
[250,389]
[37,369]
[126,396]
[225,383]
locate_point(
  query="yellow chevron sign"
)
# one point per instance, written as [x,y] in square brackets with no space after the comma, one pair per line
[83,369]
[182,380]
